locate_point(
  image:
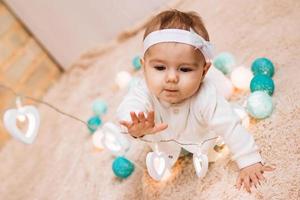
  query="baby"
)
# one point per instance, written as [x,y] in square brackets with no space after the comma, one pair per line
[176,102]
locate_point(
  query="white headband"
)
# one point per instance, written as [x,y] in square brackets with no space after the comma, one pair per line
[181,36]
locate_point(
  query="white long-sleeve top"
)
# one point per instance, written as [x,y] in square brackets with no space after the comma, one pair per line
[205,115]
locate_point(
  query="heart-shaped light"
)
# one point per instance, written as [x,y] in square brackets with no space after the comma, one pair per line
[157,164]
[113,140]
[200,164]
[10,123]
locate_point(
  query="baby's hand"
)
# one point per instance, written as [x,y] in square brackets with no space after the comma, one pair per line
[141,125]
[252,175]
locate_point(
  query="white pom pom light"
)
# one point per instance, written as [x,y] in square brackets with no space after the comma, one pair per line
[123,79]
[259,105]
[241,77]
[97,139]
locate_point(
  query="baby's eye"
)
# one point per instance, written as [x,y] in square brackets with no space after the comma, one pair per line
[160,67]
[185,69]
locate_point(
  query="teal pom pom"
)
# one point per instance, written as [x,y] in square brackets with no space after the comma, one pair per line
[122,167]
[263,66]
[99,107]
[93,123]
[136,62]
[262,83]
[259,105]
[224,62]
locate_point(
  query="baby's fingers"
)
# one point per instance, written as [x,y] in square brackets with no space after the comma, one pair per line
[260,176]
[159,127]
[267,168]
[254,180]
[134,118]
[150,117]
[125,123]
[142,117]
[239,183]
[247,184]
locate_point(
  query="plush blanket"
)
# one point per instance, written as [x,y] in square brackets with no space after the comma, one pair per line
[63,164]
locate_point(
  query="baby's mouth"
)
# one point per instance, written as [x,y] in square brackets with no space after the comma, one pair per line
[168,90]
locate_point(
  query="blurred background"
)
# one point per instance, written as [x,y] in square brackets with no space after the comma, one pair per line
[40,40]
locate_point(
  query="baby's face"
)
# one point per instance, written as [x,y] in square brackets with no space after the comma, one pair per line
[173,71]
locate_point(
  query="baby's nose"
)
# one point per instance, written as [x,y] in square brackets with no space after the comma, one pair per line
[172,76]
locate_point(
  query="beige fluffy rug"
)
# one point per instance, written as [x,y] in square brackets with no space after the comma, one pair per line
[63,164]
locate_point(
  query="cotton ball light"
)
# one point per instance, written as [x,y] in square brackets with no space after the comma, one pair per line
[136,62]
[241,77]
[97,139]
[224,62]
[122,167]
[122,79]
[93,123]
[263,66]
[259,105]
[262,83]
[99,107]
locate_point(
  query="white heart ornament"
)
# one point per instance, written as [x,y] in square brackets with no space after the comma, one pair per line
[200,164]
[157,164]
[10,123]
[113,140]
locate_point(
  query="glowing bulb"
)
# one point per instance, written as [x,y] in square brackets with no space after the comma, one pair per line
[159,164]
[200,164]
[220,141]
[97,139]
[123,79]
[241,78]
[166,175]
[21,118]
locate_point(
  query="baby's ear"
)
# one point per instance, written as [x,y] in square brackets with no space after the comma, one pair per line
[142,62]
[206,68]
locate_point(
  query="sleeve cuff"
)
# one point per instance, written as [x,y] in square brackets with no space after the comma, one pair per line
[249,159]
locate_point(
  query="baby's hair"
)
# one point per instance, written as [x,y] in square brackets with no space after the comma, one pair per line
[176,19]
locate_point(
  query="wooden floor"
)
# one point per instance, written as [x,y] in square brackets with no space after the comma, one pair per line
[24,65]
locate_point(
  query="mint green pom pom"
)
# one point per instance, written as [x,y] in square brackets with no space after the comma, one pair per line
[263,66]
[93,123]
[122,167]
[262,83]
[259,105]
[224,62]
[136,62]
[99,107]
